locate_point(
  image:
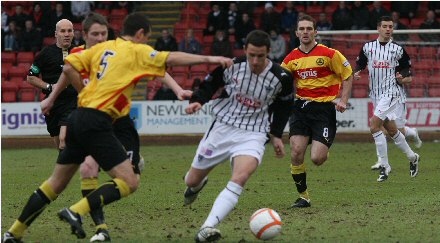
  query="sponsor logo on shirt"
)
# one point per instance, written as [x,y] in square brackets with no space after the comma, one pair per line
[153,54]
[307,74]
[346,64]
[248,101]
[381,64]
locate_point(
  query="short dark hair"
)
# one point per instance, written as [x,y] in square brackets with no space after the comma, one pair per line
[384,18]
[258,38]
[307,18]
[134,22]
[93,18]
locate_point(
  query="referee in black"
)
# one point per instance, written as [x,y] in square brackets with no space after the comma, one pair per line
[45,71]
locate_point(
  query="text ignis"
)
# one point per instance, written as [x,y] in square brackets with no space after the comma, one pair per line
[307,74]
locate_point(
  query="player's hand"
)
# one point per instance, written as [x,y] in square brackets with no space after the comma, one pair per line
[356,75]
[399,78]
[184,94]
[193,107]
[278,147]
[341,106]
[46,105]
[225,62]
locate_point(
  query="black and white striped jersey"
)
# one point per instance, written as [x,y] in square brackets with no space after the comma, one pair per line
[384,60]
[259,103]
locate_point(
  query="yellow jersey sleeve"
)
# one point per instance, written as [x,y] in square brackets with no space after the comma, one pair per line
[79,60]
[152,60]
[340,66]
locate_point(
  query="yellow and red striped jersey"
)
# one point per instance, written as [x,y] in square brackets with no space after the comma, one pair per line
[114,67]
[319,73]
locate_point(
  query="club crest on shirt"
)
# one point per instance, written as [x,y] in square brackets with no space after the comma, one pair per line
[153,53]
[320,61]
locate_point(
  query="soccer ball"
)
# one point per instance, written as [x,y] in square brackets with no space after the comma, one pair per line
[265,224]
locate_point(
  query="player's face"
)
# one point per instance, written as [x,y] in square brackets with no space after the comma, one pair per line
[256,56]
[97,33]
[64,34]
[385,30]
[305,32]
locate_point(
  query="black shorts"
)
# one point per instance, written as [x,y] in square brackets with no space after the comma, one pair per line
[90,132]
[59,117]
[316,120]
[127,134]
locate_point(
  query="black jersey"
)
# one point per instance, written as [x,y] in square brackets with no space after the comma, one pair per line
[49,63]
[259,103]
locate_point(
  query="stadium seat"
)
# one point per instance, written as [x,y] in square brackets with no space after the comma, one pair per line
[208,40]
[201,69]
[422,66]
[18,71]
[429,53]
[117,15]
[359,91]
[434,91]
[416,22]
[237,52]
[206,50]
[416,91]
[9,57]
[180,70]
[48,41]
[26,57]
[412,52]
[103,12]
[26,65]
[26,92]
[16,80]
[153,85]
[180,79]
[5,71]
[9,91]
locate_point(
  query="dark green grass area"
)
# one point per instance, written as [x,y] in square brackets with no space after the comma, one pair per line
[348,205]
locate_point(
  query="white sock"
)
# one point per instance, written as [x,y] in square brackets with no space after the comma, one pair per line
[410,132]
[224,204]
[401,143]
[381,147]
[197,188]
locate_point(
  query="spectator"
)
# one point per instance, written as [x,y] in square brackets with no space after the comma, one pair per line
[377,12]
[342,17]
[233,17]
[80,10]
[361,16]
[294,40]
[435,6]
[398,26]
[242,29]
[39,19]
[247,6]
[5,17]
[277,47]
[217,20]
[270,19]
[166,42]
[323,25]
[406,9]
[189,44]
[430,23]
[221,45]
[123,5]
[77,38]
[19,17]
[56,15]
[165,93]
[11,37]
[289,16]
[31,39]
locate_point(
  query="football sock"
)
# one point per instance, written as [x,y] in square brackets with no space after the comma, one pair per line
[105,194]
[381,147]
[87,186]
[36,204]
[401,143]
[410,132]
[299,176]
[224,204]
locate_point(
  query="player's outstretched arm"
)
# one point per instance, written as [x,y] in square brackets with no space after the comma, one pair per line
[341,106]
[175,87]
[181,58]
[47,104]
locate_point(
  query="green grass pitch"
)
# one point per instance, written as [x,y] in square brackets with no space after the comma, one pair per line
[348,205]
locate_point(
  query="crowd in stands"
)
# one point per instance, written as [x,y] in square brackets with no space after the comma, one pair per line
[26,24]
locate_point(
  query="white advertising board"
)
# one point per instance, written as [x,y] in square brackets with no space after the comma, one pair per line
[169,117]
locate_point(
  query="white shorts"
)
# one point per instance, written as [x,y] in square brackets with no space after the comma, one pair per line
[223,142]
[401,115]
[386,108]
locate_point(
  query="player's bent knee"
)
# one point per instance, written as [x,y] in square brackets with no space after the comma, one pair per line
[319,160]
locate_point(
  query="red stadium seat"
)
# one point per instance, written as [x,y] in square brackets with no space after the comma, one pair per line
[9,57]
[103,12]
[26,92]
[9,91]
[18,71]
[153,85]
[416,91]
[180,70]
[201,69]
[208,40]
[26,57]
[359,91]
[434,91]
[412,52]
[238,52]
[16,80]
[26,65]
[48,41]
[5,70]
